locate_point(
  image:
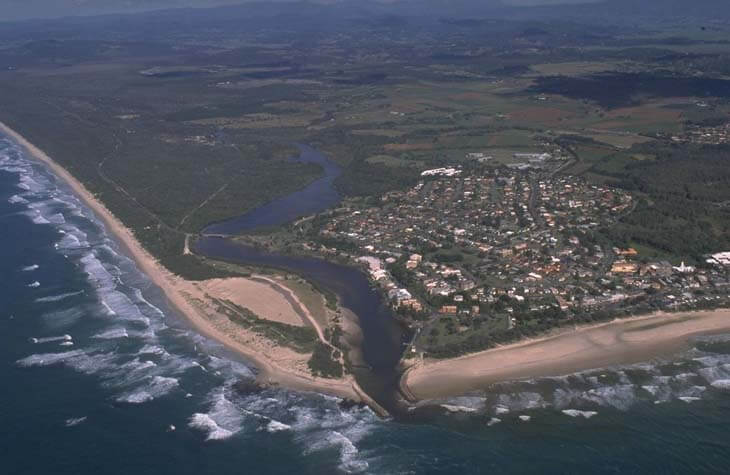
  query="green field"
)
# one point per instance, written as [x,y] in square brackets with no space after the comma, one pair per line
[175,137]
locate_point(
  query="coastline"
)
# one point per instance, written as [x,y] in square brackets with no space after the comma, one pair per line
[177,291]
[619,342]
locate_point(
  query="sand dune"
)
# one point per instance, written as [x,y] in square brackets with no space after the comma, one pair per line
[259,297]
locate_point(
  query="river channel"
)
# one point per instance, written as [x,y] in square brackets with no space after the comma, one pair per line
[383,338]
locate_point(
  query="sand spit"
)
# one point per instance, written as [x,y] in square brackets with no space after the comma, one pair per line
[277,365]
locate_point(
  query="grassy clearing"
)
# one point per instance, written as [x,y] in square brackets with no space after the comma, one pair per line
[379,132]
[574,68]
[618,140]
[300,339]
[391,161]
[310,297]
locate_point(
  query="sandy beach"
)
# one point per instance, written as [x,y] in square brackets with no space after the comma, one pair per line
[261,298]
[598,346]
[276,364]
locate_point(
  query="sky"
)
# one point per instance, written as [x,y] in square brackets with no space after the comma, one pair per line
[23,9]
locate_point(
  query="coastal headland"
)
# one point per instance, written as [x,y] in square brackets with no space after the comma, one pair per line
[198,302]
[620,342]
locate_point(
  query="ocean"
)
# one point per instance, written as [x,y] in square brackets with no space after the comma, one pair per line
[100,376]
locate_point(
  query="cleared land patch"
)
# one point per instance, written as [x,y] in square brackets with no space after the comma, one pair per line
[258,297]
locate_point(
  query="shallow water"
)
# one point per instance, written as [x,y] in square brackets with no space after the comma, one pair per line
[96,370]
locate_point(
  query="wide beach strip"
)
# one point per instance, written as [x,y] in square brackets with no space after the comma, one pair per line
[615,343]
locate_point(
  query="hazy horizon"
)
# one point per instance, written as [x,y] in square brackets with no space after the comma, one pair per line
[40,9]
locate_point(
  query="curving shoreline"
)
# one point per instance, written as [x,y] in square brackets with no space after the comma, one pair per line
[619,342]
[273,368]
[614,343]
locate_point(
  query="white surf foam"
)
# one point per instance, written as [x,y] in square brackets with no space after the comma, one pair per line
[721,384]
[122,307]
[619,396]
[276,426]
[151,350]
[140,299]
[62,319]
[237,368]
[96,271]
[56,218]
[70,242]
[465,404]
[34,284]
[158,386]
[224,419]
[38,218]
[577,413]
[29,184]
[74,421]
[689,399]
[48,359]
[112,334]
[30,268]
[50,339]
[521,401]
[57,298]
[17,199]
[206,424]
[326,426]
[349,454]
[453,408]
[711,374]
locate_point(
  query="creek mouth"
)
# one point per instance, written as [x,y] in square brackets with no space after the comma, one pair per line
[383,337]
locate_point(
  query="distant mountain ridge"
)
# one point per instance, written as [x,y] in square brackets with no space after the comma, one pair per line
[592,10]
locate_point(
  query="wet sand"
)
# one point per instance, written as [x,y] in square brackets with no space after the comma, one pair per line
[276,365]
[614,343]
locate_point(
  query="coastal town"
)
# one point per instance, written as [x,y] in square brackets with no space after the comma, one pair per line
[484,252]
[715,134]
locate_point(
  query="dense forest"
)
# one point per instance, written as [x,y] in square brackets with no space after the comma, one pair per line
[684,206]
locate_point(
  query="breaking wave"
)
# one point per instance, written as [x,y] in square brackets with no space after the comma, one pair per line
[577,413]
[121,338]
[50,339]
[112,333]
[158,386]
[57,298]
[74,421]
[721,384]
[17,199]
[689,378]
[224,420]
[276,426]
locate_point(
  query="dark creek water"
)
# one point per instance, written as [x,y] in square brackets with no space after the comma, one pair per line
[383,338]
[318,196]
